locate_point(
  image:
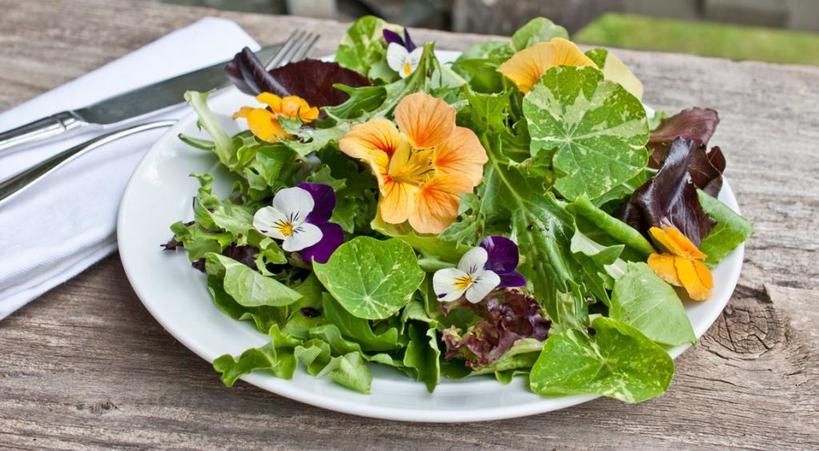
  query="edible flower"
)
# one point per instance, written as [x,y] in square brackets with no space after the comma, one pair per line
[402,54]
[480,270]
[526,67]
[682,266]
[423,165]
[264,122]
[300,218]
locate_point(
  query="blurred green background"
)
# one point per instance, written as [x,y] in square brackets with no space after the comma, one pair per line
[778,31]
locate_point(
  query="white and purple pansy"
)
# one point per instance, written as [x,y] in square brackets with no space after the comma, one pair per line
[402,54]
[300,218]
[481,269]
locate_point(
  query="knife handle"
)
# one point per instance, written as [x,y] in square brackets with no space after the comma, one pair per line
[41,129]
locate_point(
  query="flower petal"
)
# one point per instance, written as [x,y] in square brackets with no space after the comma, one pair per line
[482,285]
[267,221]
[324,199]
[526,67]
[663,266]
[295,203]
[690,279]
[675,242]
[461,154]
[304,236]
[408,41]
[512,279]
[262,123]
[296,107]
[392,37]
[503,254]
[427,121]
[331,238]
[271,100]
[366,141]
[397,201]
[396,55]
[436,205]
[445,283]
[473,261]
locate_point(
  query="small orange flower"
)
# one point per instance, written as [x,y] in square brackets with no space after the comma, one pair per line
[422,165]
[683,266]
[264,122]
[526,67]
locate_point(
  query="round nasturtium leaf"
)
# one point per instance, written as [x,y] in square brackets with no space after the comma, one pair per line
[370,278]
[596,129]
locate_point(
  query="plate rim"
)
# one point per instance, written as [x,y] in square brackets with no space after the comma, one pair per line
[281,387]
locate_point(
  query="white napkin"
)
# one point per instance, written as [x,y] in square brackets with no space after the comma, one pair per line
[66,223]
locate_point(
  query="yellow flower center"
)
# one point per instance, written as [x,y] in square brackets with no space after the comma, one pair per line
[407,69]
[463,282]
[411,166]
[285,228]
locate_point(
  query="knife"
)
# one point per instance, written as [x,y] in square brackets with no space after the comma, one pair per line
[130,105]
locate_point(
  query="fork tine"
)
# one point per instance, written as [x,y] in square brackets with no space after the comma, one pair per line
[291,46]
[301,52]
[285,50]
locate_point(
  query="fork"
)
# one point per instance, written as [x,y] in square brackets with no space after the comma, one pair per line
[294,49]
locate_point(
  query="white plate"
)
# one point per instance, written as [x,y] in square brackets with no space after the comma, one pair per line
[160,193]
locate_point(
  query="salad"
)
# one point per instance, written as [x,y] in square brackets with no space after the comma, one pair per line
[516,212]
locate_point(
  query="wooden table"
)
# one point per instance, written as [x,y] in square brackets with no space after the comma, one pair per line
[86,365]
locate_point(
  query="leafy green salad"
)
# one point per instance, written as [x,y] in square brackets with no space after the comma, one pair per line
[515,212]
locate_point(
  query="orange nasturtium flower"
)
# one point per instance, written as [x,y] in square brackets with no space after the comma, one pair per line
[682,266]
[264,122]
[423,165]
[526,67]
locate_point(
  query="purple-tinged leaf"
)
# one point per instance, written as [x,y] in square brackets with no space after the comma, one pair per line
[670,197]
[508,316]
[696,124]
[312,80]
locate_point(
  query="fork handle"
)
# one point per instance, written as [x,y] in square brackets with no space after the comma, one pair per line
[47,127]
[16,184]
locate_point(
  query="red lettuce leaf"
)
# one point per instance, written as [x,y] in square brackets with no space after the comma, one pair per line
[671,196]
[696,124]
[508,315]
[311,80]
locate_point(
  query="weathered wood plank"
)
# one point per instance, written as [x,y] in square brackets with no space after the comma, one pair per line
[86,366]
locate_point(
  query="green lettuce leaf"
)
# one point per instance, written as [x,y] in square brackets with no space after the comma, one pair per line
[422,354]
[275,358]
[358,329]
[616,361]
[596,129]
[362,48]
[222,143]
[248,287]
[647,303]
[371,279]
[349,370]
[731,229]
[517,360]
[539,29]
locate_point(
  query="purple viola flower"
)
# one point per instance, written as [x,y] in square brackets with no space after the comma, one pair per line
[394,38]
[502,259]
[481,269]
[300,218]
[402,54]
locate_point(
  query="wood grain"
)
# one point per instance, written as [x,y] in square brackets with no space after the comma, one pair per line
[85,366]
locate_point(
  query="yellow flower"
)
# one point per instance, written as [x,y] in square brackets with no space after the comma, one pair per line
[422,165]
[264,122]
[526,67]
[683,266]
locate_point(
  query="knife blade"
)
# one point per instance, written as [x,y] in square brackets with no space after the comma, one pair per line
[129,105]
